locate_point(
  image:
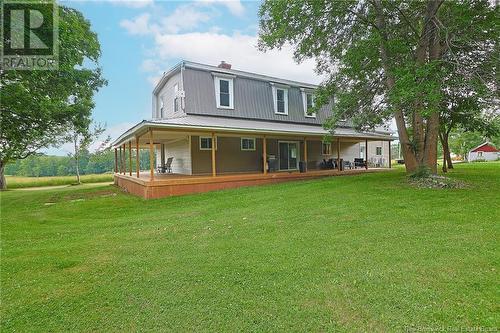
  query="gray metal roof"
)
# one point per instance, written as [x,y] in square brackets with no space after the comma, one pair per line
[220,124]
[253,99]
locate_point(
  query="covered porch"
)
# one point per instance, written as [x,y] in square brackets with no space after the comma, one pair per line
[192,158]
[179,184]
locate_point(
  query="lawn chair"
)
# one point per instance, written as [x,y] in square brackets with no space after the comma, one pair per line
[167,168]
[359,162]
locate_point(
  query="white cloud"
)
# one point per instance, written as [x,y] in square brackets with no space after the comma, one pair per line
[234,6]
[238,49]
[175,37]
[114,132]
[184,17]
[138,25]
[149,65]
[132,3]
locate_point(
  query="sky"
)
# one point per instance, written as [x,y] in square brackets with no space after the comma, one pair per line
[142,39]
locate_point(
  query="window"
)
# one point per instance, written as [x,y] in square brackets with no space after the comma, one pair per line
[248,144]
[161,106]
[280,98]
[224,92]
[362,151]
[176,98]
[378,151]
[326,148]
[206,143]
[479,154]
[308,101]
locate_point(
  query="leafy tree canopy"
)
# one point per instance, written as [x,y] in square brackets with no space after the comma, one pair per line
[38,107]
[385,59]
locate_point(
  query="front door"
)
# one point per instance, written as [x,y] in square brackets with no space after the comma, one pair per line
[289,155]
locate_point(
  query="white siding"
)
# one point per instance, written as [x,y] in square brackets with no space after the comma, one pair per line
[179,149]
[487,156]
[372,152]
[348,151]
[167,95]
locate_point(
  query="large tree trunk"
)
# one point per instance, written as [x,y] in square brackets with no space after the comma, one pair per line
[443,137]
[3,183]
[432,126]
[431,143]
[409,157]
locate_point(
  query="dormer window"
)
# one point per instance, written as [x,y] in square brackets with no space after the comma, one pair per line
[280,97]
[224,92]
[308,101]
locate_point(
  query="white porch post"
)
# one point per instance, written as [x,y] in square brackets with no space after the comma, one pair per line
[366,154]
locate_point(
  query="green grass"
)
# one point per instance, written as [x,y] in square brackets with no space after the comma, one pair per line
[23,182]
[362,253]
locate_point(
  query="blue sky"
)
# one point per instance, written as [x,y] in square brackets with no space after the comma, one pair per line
[142,39]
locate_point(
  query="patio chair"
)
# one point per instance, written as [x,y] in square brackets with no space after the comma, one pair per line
[168,165]
[330,164]
[167,168]
[359,162]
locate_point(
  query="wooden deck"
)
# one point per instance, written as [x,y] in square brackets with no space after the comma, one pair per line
[178,184]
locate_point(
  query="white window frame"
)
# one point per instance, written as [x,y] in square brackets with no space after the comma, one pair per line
[362,150]
[217,79]
[207,137]
[381,151]
[329,144]
[304,102]
[246,149]
[275,89]
[162,106]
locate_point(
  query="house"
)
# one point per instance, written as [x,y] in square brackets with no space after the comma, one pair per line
[484,152]
[214,127]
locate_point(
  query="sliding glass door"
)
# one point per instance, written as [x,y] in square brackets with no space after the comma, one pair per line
[289,155]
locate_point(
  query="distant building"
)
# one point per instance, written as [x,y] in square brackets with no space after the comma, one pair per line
[486,151]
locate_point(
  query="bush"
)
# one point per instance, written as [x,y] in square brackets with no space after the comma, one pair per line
[435,181]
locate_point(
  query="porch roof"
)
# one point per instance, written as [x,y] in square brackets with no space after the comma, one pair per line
[194,123]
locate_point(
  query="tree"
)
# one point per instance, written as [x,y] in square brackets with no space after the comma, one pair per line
[461,141]
[383,59]
[469,114]
[82,136]
[38,107]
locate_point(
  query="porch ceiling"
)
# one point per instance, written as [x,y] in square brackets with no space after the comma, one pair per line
[171,129]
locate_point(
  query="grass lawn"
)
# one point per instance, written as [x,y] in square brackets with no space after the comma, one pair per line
[22,182]
[361,253]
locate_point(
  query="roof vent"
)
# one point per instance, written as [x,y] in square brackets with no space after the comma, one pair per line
[224,65]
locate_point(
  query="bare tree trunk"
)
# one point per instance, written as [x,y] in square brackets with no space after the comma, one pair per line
[447,155]
[77,160]
[3,183]
[446,149]
[441,138]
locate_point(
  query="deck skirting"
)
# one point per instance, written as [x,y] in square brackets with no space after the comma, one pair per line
[164,187]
